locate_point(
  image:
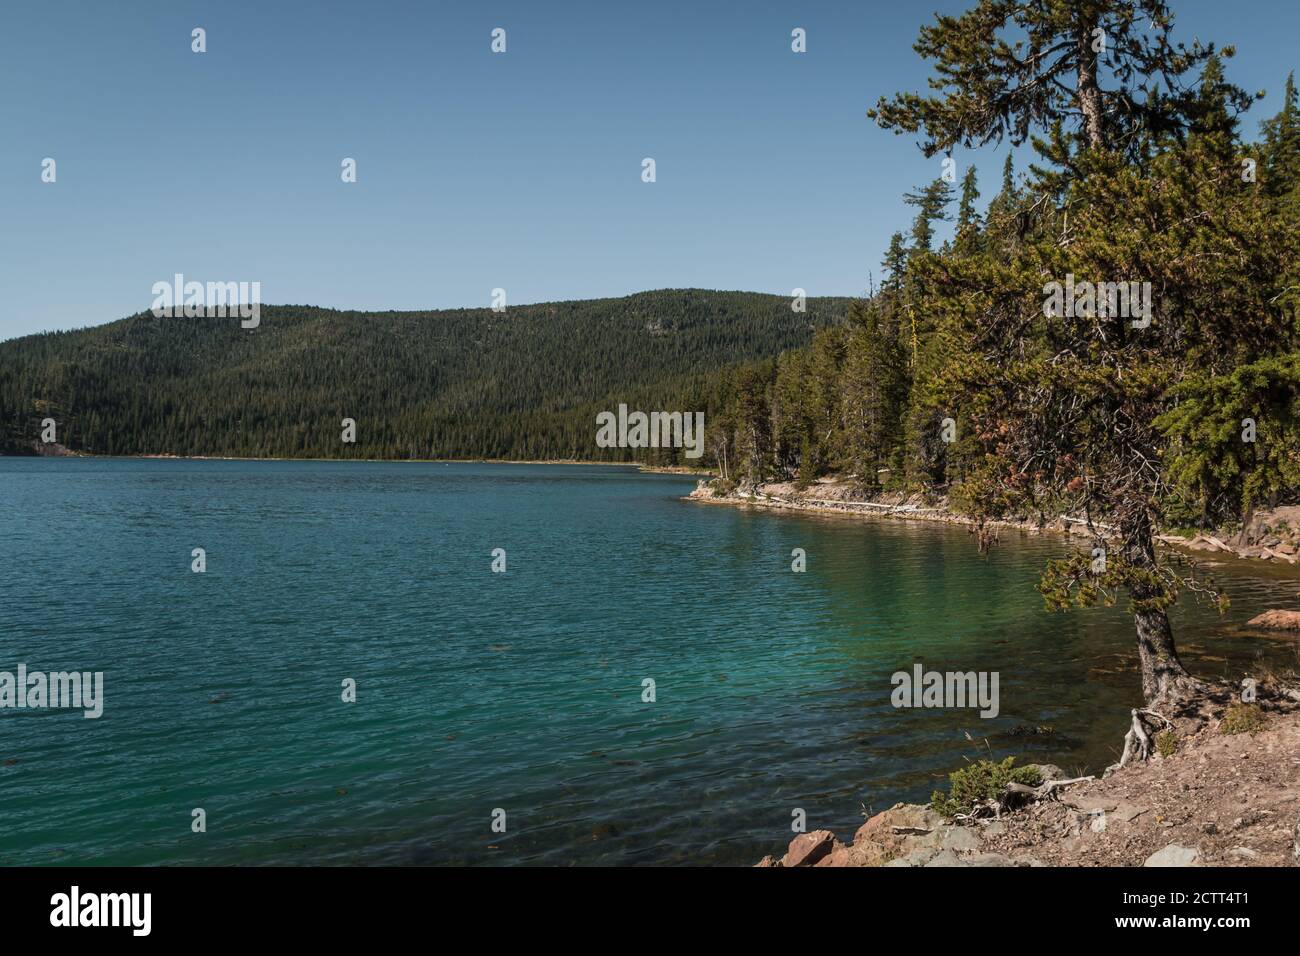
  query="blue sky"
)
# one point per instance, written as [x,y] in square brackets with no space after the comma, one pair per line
[475,170]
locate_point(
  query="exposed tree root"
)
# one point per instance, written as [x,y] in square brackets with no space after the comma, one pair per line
[1194,700]
[1138,740]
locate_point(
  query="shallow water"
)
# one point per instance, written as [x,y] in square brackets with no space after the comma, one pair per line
[520,691]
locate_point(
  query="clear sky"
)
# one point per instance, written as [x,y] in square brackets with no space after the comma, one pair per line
[475,170]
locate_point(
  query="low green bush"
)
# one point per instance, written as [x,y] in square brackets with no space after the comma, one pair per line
[1242,719]
[982,780]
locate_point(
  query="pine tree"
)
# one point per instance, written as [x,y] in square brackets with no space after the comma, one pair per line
[966,214]
[1281,147]
[873,392]
[968,218]
[895,263]
[753,427]
[1066,407]
[1107,69]
[931,203]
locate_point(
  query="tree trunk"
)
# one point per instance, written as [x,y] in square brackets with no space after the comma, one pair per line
[1163,676]
[1087,91]
[1243,538]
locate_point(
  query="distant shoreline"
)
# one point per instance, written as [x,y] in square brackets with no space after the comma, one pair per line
[648,469]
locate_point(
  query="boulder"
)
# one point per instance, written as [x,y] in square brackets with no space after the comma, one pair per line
[899,821]
[837,856]
[807,848]
[1277,619]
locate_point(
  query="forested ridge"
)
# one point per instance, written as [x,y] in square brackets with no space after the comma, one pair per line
[525,383]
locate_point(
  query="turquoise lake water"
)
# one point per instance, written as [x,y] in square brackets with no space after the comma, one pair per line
[520,691]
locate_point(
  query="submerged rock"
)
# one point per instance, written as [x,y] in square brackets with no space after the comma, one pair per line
[1281,620]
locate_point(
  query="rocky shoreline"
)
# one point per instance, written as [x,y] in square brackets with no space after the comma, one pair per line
[1273,536]
[1217,799]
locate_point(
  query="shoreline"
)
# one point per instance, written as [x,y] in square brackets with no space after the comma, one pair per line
[1217,795]
[647,469]
[782,496]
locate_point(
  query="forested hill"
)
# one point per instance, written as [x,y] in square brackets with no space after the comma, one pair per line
[526,383]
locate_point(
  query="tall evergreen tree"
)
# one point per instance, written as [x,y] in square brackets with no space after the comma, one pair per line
[753,426]
[931,204]
[873,391]
[970,194]
[895,264]
[1107,69]
[1065,404]
[1281,147]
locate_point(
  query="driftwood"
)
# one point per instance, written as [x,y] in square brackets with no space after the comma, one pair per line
[1043,790]
[879,506]
[1017,793]
[1084,521]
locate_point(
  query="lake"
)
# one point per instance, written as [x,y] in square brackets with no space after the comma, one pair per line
[519,691]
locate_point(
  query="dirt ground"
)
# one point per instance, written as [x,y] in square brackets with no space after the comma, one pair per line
[1219,800]
[1235,800]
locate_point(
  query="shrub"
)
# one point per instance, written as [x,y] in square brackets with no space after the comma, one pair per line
[983,780]
[1242,719]
[723,487]
[1166,743]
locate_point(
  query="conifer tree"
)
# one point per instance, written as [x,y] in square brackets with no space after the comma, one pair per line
[1108,69]
[966,214]
[1281,147]
[1064,406]
[931,204]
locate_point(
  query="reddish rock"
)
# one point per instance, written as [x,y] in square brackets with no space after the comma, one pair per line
[901,820]
[894,832]
[837,856]
[862,853]
[807,848]
[767,861]
[1278,620]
